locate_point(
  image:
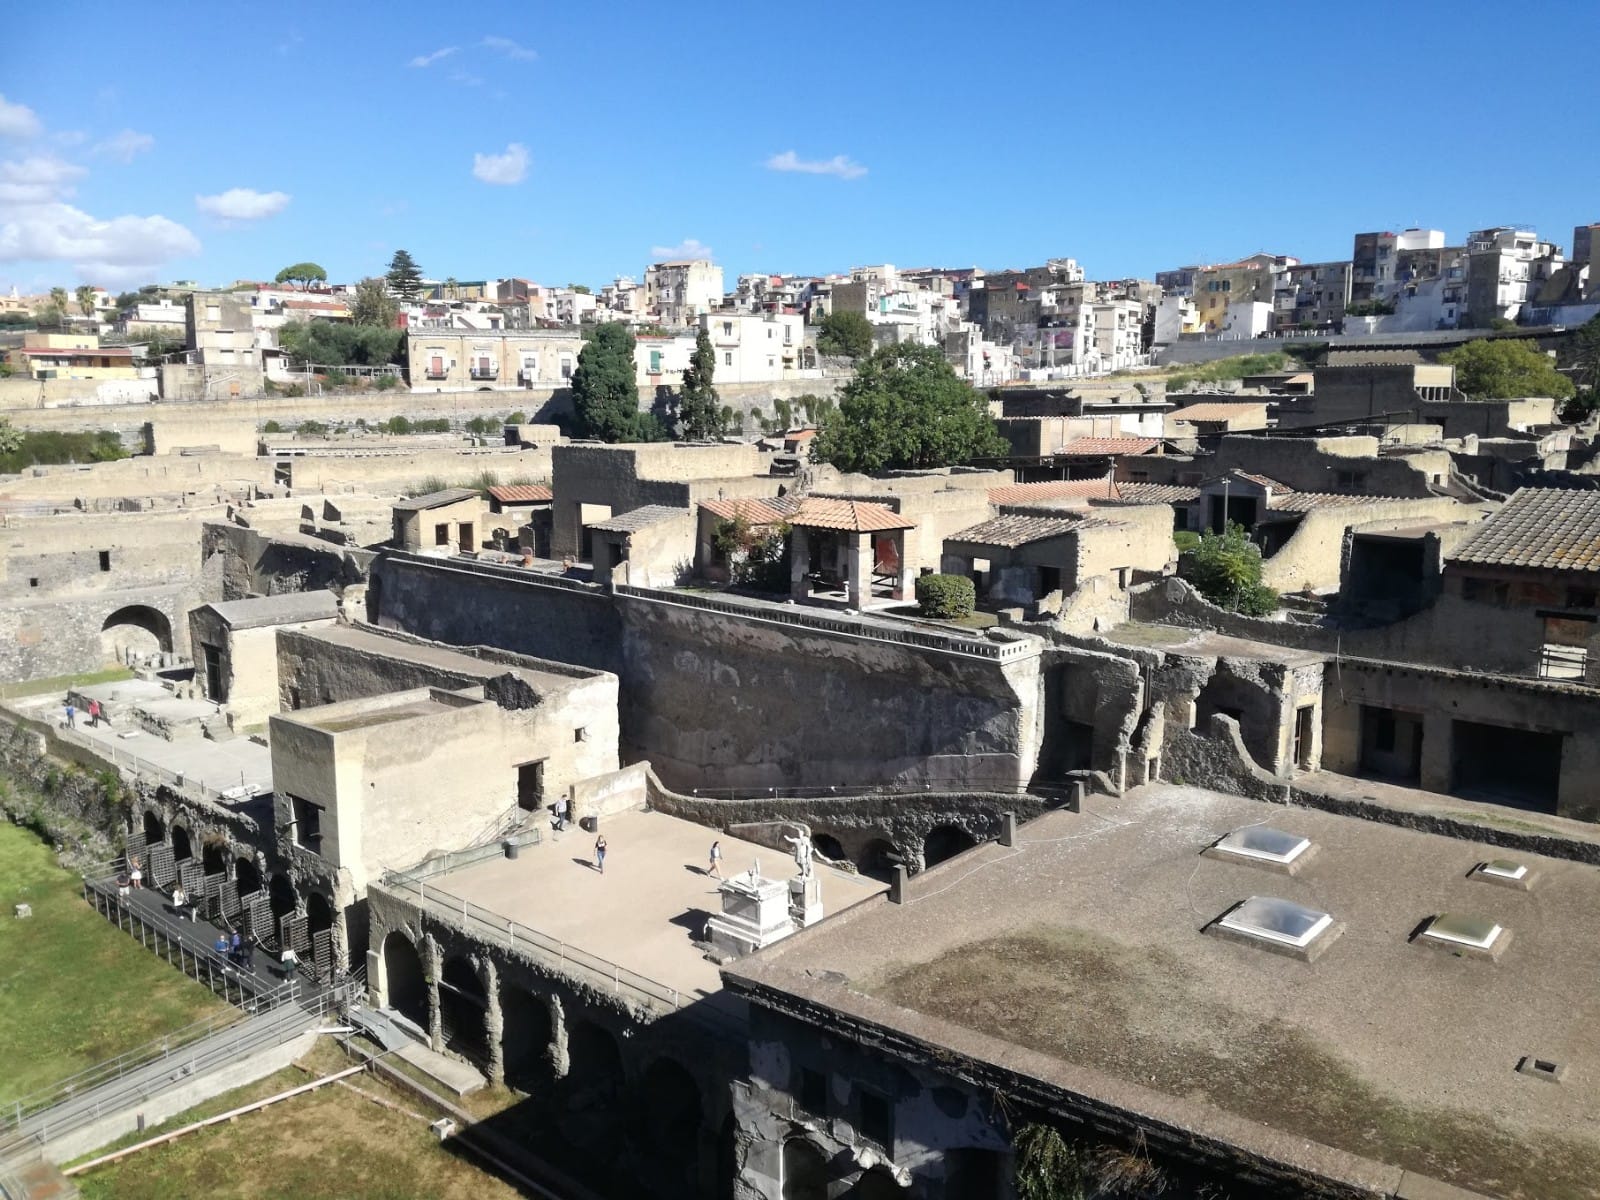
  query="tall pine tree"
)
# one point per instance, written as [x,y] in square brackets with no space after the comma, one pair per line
[605,392]
[698,406]
[405,277]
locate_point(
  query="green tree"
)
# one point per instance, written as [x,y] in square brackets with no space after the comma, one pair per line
[845,333]
[303,273]
[605,393]
[59,298]
[1504,369]
[906,407]
[451,288]
[1225,568]
[405,277]
[1583,354]
[85,298]
[581,288]
[10,438]
[698,406]
[327,344]
[372,305]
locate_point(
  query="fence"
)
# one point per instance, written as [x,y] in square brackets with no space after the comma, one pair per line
[597,972]
[1067,791]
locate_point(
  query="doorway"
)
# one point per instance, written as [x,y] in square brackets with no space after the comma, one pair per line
[530,786]
[1305,724]
[214,686]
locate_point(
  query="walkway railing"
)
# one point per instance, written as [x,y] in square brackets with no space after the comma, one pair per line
[1058,792]
[598,972]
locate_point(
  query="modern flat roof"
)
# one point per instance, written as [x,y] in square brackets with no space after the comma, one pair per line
[652,903]
[1078,956]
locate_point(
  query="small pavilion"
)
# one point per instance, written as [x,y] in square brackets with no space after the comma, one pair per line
[856,547]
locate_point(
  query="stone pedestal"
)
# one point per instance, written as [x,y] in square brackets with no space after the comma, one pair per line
[755,913]
[805,900]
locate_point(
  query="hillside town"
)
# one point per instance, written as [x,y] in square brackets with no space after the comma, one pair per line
[1005,732]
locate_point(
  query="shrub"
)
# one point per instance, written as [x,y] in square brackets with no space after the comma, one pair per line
[385,383]
[946,596]
[312,429]
[272,427]
[1225,568]
[517,418]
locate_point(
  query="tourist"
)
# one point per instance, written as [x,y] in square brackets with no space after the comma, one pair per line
[248,955]
[716,860]
[94,714]
[563,812]
[236,949]
[222,945]
[180,899]
[600,854]
[289,960]
[72,715]
[122,887]
[135,875]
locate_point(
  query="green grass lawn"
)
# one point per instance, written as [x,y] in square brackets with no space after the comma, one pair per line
[74,989]
[330,1144]
[60,683]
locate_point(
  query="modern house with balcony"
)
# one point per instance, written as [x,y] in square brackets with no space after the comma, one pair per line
[755,347]
[456,360]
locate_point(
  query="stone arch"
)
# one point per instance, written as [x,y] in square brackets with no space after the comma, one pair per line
[828,846]
[155,830]
[134,629]
[319,912]
[405,985]
[527,1039]
[247,874]
[672,1111]
[182,848]
[282,896]
[594,1059]
[805,1171]
[945,842]
[464,1009]
[214,858]
[879,858]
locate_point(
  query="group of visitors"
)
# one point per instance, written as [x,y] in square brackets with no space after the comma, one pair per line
[94,712]
[236,950]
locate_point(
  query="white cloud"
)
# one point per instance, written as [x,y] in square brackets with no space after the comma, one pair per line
[242,204]
[508,168]
[120,250]
[18,120]
[125,146]
[839,165]
[509,48]
[427,60]
[38,180]
[688,248]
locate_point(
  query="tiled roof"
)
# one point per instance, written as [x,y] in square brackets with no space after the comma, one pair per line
[1216,410]
[1054,489]
[436,499]
[758,510]
[1262,481]
[1550,528]
[1013,531]
[1158,493]
[1109,445]
[521,493]
[639,518]
[852,516]
[1306,501]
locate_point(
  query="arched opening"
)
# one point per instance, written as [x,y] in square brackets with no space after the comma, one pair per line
[181,849]
[247,875]
[595,1063]
[727,1158]
[525,1039]
[463,1010]
[945,842]
[670,1117]
[876,1184]
[319,913]
[827,846]
[135,631]
[214,858]
[281,895]
[154,831]
[407,989]
[805,1171]
[973,1174]
[878,859]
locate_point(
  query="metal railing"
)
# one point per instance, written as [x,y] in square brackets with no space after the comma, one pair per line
[1569,663]
[975,787]
[598,972]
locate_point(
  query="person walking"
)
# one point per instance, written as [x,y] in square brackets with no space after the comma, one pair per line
[716,860]
[290,961]
[180,900]
[248,954]
[600,854]
[135,875]
[236,949]
[221,946]
[94,714]
[72,715]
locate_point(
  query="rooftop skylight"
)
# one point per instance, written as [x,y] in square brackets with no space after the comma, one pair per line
[1506,872]
[1263,846]
[1457,931]
[1278,924]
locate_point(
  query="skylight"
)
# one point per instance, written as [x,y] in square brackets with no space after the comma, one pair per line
[1264,844]
[1504,872]
[1457,931]
[1279,922]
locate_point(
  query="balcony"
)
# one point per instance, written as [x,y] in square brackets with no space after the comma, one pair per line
[485,373]
[438,373]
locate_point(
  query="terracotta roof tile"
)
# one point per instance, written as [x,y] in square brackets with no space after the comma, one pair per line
[521,493]
[1109,445]
[852,516]
[1218,410]
[1014,530]
[1548,528]
[758,510]
[1158,493]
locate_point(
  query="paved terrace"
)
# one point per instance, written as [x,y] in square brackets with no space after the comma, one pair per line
[1077,958]
[651,904]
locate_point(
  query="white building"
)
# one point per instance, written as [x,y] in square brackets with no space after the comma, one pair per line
[676,293]
[755,347]
[1175,316]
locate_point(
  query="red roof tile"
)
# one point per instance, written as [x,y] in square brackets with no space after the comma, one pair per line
[851,516]
[1109,445]
[758,510]
[521,493]
[1054,489]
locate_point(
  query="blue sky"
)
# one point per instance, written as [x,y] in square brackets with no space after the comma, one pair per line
[576,142]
